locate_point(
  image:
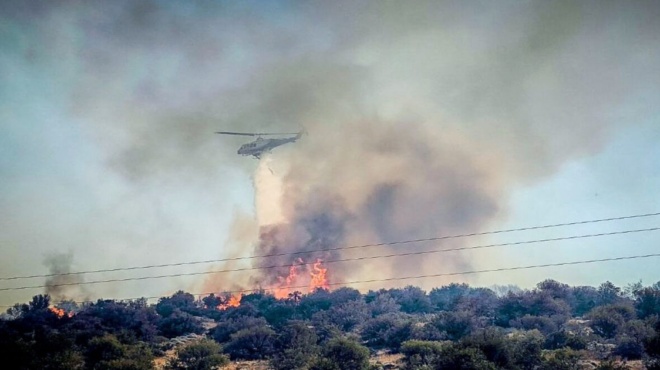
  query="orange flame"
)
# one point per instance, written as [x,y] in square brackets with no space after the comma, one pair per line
[319,276]
[234,301]
[60,313]
[284,289]
[290,283]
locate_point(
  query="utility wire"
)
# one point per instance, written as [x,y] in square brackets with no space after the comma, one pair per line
[472,272]
[465,272]
[334,261]
[335,249]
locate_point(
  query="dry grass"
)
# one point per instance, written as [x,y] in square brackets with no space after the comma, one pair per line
[247,365]
[160,362]
[389,360]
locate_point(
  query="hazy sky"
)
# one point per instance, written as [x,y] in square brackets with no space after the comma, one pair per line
[424,118]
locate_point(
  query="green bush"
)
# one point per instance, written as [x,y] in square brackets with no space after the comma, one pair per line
[420,354]
[203,355]
[343,354]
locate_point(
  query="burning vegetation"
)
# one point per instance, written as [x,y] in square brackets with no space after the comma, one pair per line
[301,276]
[453,326]
[232,301]
[59,312]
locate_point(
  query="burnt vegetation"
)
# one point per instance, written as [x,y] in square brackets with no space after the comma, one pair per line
[553,326]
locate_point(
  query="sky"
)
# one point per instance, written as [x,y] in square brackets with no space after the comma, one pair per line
[423,119]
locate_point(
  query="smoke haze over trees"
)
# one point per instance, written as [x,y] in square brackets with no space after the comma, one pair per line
[553,326]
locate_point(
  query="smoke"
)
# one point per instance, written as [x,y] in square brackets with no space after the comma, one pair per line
[445,161]
[60,264]
[423,117]
[389,182]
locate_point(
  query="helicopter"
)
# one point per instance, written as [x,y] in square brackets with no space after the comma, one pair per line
[260,146]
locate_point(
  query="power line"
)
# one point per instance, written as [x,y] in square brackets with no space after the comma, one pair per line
[471,272]
[335,249]
[468,272]
[334,261]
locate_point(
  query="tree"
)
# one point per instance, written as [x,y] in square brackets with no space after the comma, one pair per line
[652,347]
[647,301]
[509,308]
[296,347]
[609,319]
[344,295]
[583,299]
[261,300]
[254,343]
[628,348]
[223,331]
[295,297]
[319,300]
[517,350]
[534,303]
[447,297]
[133,317]
[526,349]
[180,323]
[203,355]
[564,338]
[388,330]
[343,354]
[479,301]
[412,299]
[382,304]
[630,341]
[544,324]
[279,313]
[103,348]
[492,343]
[348,315]
[43,348]
[181,300]
[39,302]
[420,354]
[212,301]
[556,289]
[608,293]
[562,359]
[456,357]
[454,325]
[108,353]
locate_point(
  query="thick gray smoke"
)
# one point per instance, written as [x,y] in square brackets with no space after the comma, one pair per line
[387,182]
[429,134]
[422,116]
[57,286]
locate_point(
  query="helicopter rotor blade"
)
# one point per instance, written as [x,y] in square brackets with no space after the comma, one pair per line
[255,133]
[235,133]
[277,134]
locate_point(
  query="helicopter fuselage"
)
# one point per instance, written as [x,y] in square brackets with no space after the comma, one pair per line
[260,146]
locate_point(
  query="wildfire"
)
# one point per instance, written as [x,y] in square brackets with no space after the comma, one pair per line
[284,289]
[319,276]
[60,313]
[294,280]
[234,301]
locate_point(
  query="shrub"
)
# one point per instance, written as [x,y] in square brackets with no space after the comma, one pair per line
[343,354]
[420,354]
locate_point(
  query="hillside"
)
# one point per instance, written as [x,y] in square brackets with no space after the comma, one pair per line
[553,326]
